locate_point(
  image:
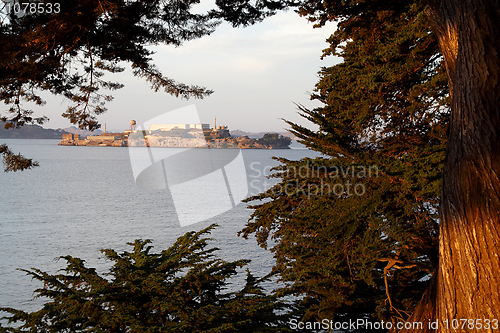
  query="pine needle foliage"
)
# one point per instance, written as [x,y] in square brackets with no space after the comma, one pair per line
[70,48]
[355,232]
[66,47]
[180,289]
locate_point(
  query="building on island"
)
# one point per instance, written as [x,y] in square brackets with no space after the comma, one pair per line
[169,127]
[178,136]
[74,139]
[105,139]
[197,130]
[108,136]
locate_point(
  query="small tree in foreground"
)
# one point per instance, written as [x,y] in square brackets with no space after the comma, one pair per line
[180,289]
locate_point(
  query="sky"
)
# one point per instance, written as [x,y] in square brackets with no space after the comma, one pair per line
[258,75]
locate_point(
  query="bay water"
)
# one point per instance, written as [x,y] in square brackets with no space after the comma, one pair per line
[84,199]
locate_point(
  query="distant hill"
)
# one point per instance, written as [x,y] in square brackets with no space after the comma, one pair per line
[30,132]
[38,132]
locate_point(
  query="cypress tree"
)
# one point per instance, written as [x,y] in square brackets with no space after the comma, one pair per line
[180,289]
[66,47]
[355,232]
[466,283]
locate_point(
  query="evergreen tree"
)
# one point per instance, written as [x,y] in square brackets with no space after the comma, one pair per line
[180,289]
[41,49]
[355,232]
[65,47]
[468,281]
[466,284]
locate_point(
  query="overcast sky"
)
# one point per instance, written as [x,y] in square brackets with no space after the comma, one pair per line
[257,74]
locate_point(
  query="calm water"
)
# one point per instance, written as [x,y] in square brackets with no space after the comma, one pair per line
[83,199]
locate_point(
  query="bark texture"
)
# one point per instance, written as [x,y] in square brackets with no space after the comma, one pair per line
[467,284]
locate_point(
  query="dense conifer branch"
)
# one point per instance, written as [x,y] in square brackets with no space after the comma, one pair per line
[385,106]
[39,50]
[36,47]
[179,289]
[15,162]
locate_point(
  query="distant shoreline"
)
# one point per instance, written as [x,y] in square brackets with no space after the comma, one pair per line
[36,132]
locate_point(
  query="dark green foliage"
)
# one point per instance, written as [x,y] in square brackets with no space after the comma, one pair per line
[354,243]
[248,12]
[180,289]
[68,52]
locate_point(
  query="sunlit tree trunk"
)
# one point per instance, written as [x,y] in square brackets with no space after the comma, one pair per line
[467,284]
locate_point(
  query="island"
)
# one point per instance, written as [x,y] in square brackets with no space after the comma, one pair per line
[179,136]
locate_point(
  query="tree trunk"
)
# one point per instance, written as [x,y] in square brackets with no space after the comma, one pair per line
[467,284]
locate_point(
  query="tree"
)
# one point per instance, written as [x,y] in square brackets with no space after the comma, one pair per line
[466,285]
[355,232]
[180,289]
[41,49]
[66,47]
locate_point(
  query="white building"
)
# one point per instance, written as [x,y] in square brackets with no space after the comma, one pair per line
[168,127]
